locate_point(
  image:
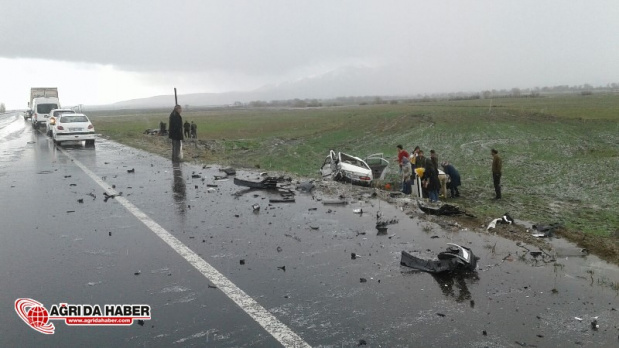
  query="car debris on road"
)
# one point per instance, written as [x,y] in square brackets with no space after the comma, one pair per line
[505,219]
[445,209]
[455,258]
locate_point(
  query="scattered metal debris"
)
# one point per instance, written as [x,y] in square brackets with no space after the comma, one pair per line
[307,186]
[282,200]
[266,184]
[108,196]
[445,209]
[545,231]
[505,219]
[132,170]
[456,258]
[334,202]
[229,171]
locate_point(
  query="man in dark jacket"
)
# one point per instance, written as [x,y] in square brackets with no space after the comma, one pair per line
[194,130]
[431,182]
[434,158]
[186,128]
[454,178]
[176,133]
[421,160]
[497,168]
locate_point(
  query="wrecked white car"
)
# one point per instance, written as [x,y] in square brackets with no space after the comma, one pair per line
[342,167]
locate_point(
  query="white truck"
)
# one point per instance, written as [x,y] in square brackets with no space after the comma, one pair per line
[42,101]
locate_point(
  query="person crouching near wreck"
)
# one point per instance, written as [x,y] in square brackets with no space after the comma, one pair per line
[176,133]
[431,182]
[454,179]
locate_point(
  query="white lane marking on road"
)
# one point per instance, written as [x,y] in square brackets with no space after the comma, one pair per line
[272,325]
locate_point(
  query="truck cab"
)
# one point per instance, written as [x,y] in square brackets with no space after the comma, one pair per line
[41,108]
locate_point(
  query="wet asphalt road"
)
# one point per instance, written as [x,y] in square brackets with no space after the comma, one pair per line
[54,249]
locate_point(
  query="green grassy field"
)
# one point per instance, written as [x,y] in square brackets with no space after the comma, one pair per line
[560,153]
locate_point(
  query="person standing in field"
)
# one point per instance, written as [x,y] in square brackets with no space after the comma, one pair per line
[431,182]
[421,161]
[407,171]
[176,133]
[497,168]
[402,155]
[186,127]
[454,179]
[194,130]
[434,158]
[414,156]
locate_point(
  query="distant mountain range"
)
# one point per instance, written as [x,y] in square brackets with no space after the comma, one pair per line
[355,81]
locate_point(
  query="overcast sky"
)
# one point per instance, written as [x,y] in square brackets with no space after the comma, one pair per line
[99,52]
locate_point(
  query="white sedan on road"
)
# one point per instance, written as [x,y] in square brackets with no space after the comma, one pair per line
[73,127]
[53,116]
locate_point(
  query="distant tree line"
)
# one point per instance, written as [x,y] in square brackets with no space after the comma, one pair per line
[536,92]
[294,103]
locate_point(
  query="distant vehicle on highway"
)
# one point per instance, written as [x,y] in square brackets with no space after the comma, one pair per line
[42,101]
[73,127]
[53,116]
[41,108]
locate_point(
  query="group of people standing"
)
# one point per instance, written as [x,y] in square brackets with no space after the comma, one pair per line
[426,169]
[191,130]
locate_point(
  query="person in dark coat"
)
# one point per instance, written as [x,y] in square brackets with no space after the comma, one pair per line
[454,179]
[176,133]
[434,158]
[194,130]
[407,171]
[186,128]
[497,170]
[431,181]
[421,160]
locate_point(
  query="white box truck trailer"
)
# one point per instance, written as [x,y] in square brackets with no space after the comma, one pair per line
[42,101]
